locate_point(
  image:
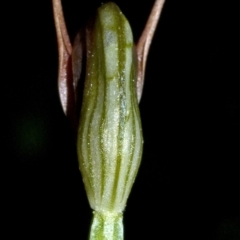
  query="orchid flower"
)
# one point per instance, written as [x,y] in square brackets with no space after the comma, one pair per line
[108,132]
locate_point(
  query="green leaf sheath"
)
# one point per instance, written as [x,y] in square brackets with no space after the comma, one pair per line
[110,136]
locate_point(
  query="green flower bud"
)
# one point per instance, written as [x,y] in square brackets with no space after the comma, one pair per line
[110,136]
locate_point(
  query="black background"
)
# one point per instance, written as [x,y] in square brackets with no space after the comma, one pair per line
[188,182]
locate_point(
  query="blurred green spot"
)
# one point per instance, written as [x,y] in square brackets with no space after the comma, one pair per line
[229,229]
[31,136]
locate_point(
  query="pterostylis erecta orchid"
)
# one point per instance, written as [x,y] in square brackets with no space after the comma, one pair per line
[108,131]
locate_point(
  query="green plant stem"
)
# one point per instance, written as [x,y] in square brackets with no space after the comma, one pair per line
[106,226]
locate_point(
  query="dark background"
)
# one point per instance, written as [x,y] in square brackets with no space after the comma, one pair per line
[188,182]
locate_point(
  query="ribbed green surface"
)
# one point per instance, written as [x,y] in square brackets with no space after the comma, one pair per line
[106,227]
[110,135]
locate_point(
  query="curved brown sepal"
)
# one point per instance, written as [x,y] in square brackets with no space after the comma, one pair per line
[144,44]
[70,65]
[64,50]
